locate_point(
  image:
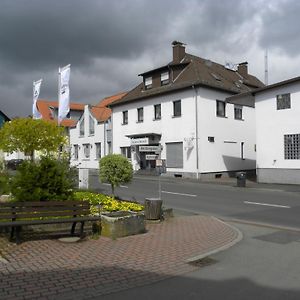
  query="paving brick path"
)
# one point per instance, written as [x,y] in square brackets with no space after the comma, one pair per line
[49,269]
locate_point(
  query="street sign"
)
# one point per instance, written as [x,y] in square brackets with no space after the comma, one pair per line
[159,163]
[140,141]
[151,157]
[149,148]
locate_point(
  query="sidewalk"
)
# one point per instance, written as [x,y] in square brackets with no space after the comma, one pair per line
[49,269]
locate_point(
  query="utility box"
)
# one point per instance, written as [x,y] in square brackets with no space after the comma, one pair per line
[241,179]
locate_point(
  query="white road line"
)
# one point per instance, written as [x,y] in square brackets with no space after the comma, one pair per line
[188,195]
[124,186]
[267,204]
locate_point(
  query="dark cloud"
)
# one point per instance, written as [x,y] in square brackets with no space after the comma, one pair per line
[109,42]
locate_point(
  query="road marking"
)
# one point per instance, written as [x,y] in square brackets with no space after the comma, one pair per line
[122,186]
[267,204]
[188,195]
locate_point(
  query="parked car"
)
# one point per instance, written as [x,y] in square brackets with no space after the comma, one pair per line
[13,163]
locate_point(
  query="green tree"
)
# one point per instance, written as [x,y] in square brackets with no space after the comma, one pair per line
[28,135]
[115,169]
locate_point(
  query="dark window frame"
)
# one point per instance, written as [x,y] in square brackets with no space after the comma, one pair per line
[238,112]
[177,108]
[125,117]
[157,111]
[219,111]
[140,114]
[283,101]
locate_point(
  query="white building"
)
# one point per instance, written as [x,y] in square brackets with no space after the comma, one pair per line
[90,138]
[181,107]
[277,109]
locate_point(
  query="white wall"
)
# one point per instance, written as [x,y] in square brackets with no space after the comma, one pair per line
[219,156]
[213,157]
[273,124]
[98,137]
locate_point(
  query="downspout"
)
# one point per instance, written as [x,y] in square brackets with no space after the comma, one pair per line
[105,142]
[197,138]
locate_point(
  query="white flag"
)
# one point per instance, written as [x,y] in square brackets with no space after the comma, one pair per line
[36,92]
[63,92]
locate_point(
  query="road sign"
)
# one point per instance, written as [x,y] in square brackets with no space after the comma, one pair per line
[151,157]
[149,148]
[140,141]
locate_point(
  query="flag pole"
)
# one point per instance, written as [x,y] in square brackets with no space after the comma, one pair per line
[58,98]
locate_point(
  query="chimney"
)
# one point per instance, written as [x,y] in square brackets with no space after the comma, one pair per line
[178,51]
[243,68]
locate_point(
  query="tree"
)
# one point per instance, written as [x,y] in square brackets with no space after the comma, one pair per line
[28,135]
[115,169]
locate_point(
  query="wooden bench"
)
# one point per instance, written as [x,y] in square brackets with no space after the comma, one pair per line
[17,214]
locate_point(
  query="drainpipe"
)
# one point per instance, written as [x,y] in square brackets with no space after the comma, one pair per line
[104,139]
[197,138]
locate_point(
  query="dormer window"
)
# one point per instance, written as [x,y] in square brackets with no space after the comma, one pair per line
[81,127]
[148,83]
[164,78]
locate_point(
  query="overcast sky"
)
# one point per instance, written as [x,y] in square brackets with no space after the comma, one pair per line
[109,42]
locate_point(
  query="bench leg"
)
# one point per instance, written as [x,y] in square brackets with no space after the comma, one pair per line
[18,239]
[12,232]
[81,229]
[73,228]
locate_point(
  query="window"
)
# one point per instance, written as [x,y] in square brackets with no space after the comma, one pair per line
[125,117]
[221,108]
[109,147]
[283,101]
[211,139]
[98,150]
[177,108]
[92,125]
[76,152]
[157,111]
[140,113]
[164,78]
[86,150]
[148,83]
[126,151]
[81,127]
[238,112]
[292,146]
[242,150]
[175,155]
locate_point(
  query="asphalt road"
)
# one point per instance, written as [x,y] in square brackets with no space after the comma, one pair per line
[276,205]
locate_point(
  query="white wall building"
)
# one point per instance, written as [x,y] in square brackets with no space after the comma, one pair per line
[182,107]
[277,109]
[91,138]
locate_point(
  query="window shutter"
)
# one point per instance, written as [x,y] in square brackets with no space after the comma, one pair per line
[175,155]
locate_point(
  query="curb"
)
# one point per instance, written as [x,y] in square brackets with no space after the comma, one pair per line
[222,248]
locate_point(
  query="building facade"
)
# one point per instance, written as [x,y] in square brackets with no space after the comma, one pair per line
[277,109]
[91,137]
[178,117]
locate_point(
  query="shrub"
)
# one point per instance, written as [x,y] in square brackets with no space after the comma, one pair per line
[115,169]
[45,180]
[4,183]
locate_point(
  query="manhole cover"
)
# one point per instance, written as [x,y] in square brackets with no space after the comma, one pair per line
[72,239]
[280,237]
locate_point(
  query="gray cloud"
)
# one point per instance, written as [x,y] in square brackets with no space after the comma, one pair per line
[109,42]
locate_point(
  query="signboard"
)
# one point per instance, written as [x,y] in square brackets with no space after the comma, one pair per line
[140,141]
[149,148]
[159,163]
[151,157]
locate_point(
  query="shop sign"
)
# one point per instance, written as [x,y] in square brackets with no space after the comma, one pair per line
[151,156]
[149,148]
[140,141]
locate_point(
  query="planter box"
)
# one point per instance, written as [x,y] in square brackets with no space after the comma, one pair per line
[122,223]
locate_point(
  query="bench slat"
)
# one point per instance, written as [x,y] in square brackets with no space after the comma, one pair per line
[44,203]
[41,209]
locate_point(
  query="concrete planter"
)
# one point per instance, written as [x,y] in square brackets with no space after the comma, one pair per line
[122,223]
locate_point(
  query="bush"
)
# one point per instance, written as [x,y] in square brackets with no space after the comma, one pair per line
[4,183]
[115,169]
[45,180]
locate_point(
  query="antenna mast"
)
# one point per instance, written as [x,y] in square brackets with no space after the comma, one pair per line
[266,67]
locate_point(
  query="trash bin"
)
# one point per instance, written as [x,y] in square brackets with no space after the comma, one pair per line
[153,208]
[241,179]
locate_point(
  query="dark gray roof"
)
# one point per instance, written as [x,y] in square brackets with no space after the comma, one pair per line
[196,71]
